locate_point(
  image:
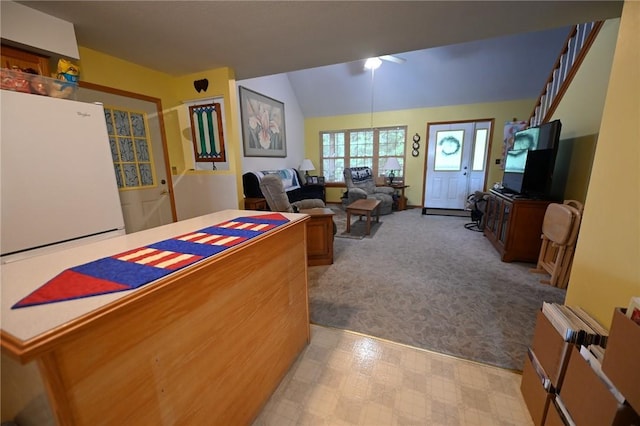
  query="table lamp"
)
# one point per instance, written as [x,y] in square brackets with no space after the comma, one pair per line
[391,165]
[306,166]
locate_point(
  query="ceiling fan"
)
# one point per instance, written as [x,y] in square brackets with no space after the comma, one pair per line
[376,61]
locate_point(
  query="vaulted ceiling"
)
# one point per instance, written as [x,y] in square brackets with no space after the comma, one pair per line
[456,51]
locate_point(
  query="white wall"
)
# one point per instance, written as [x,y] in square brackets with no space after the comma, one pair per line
[278,87]
[188,190]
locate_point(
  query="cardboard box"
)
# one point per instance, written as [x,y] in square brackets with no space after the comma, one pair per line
[621,361]
[534,394]
[550,349]
[554,418]
[588,399]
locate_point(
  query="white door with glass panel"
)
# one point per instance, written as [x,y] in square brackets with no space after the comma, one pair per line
[456,163]
[137,149]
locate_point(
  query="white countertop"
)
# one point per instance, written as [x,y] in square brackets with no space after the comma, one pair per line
[21,277]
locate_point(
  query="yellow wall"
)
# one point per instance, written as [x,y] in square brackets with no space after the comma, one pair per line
[582,151]
[416,121]
[221,84]
[606,266]
[99,68]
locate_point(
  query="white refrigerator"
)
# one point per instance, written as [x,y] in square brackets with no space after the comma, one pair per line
[58,184]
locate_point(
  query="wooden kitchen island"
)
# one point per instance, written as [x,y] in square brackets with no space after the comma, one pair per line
[207,344]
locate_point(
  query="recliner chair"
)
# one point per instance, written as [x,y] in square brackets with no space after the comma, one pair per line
[360,185]
[273,191]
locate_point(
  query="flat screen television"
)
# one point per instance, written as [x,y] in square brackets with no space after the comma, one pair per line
[529,166]
[544,136]
[514,165]
[549,135]
[528,172]
[536,181]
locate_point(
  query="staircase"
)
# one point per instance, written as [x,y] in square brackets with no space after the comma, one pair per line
[573,53]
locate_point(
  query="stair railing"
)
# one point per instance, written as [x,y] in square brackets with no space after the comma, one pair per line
[571,56]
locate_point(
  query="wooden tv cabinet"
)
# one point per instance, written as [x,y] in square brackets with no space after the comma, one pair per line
[514,226]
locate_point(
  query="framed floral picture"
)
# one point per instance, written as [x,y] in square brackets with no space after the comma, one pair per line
[263,129]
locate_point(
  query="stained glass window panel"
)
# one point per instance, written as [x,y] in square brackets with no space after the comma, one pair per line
[142,150]
[131,175]
[137,123]
[130,148]
[126,150]
[122,123]
[207,133]
[146,176]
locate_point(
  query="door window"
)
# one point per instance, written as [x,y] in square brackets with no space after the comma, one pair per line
[130,148]
[448,155]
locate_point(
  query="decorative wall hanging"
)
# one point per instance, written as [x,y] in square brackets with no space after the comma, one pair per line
[263,126]
[416,145]
[201,85]
[206,133]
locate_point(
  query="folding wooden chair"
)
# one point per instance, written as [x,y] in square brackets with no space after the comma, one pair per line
[559,234]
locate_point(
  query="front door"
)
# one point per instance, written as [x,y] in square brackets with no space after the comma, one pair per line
[138,154]
[456,162]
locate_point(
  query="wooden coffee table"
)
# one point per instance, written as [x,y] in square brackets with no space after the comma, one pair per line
[365,207]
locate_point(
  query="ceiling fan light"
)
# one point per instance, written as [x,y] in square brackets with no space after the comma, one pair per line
[372,63]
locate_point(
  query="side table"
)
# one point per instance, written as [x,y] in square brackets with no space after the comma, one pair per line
[255,204]
[402,200]
[319,236]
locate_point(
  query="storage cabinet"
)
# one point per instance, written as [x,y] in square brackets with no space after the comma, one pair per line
[319,236]
[514,226]
[12,57]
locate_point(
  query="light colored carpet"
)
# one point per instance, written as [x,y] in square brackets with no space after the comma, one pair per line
[426,281]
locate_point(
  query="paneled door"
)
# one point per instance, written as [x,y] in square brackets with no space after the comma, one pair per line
[456,162]
[134,124]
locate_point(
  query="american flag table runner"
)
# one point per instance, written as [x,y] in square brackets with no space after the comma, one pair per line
[137,267]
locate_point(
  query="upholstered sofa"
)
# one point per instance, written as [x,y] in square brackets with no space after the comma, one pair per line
[293,185]
[360,184]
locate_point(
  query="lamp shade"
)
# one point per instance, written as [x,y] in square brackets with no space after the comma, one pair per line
[392,164]
[307,165]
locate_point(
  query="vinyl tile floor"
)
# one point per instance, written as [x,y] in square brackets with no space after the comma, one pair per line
[346,378]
